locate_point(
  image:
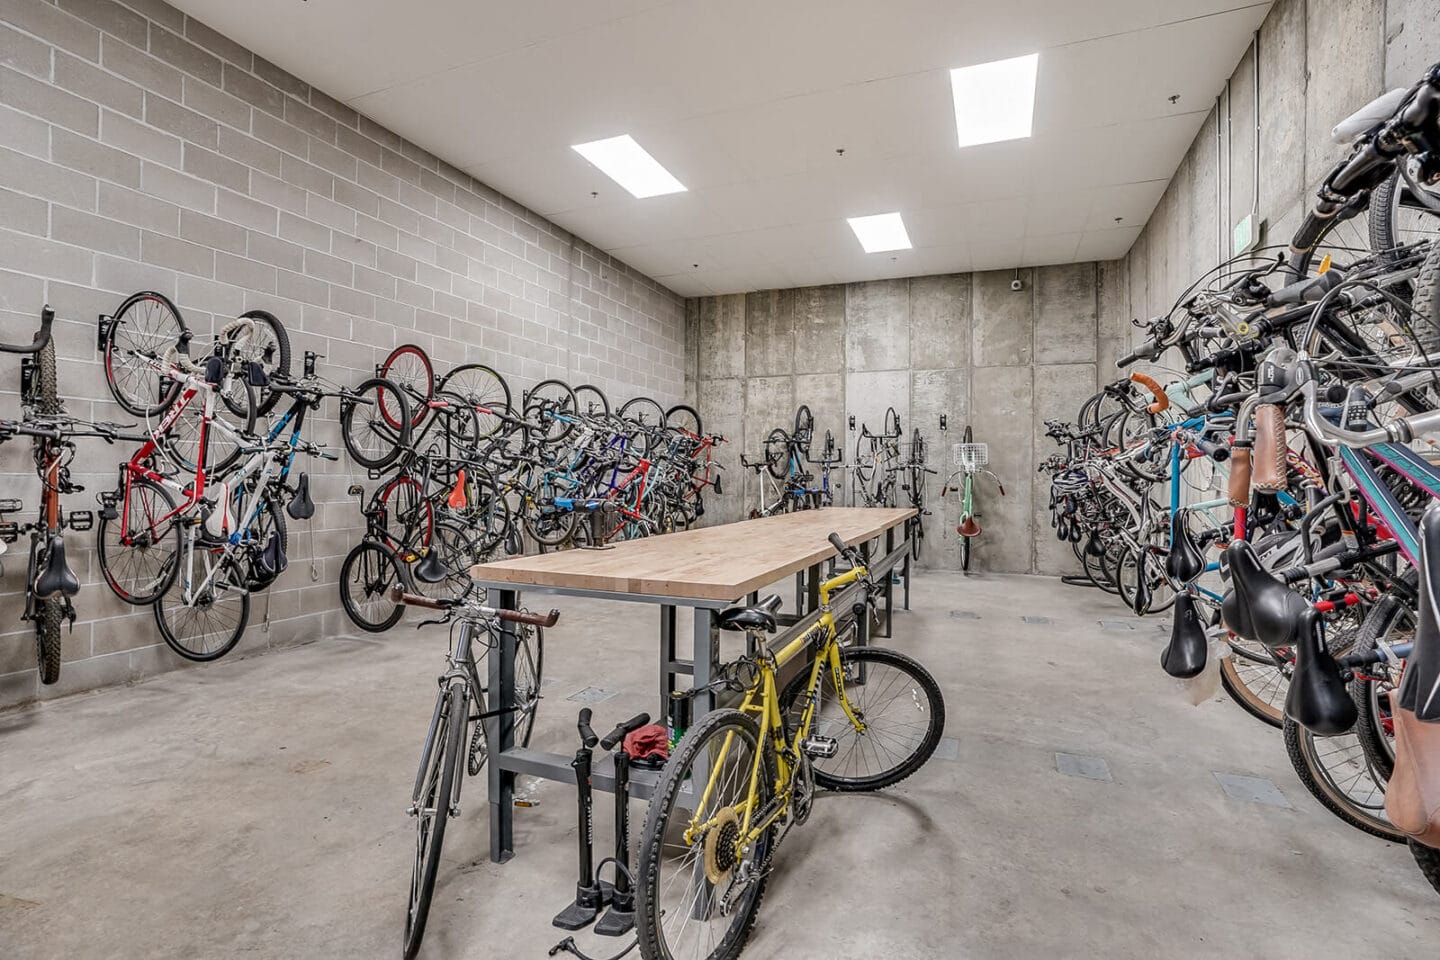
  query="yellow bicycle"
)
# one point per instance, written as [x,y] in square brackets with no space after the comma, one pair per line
[857,718]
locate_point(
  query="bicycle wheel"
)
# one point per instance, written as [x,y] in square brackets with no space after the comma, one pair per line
[684,418]
[372,441]
[529,655]
[647,416]
[269,346]
[44,388]
[917,538]
[222,447]
[549,525]
[457,554]
[1337,773]
[896,699]
[212,622]
[366,577]
[777,453]
[433,801]
[409,516]
[697,894]
[865,463]
[804,427]
[965,555]
[590,401]
[553,404]
[139,547]
[892,422]
[145,325]
[462,431]
[485,390]
[408,367]
[49,615]
[1391,621]
[1255,681]
[1397,218]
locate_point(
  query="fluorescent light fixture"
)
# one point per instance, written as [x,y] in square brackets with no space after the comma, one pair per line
[626,162]
[883,231]
[994,101]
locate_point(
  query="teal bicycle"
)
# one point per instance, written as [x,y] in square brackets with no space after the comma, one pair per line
[972,458]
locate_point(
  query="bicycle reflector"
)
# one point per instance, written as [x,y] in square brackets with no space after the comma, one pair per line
[456,500]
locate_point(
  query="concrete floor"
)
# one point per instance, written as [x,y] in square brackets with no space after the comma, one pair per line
[254,808]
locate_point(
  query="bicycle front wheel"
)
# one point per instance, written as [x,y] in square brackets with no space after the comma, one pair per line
[434,796]
[699,885]
[366,577]
[898,705]
[139,548]
[1337,773]
[211,623]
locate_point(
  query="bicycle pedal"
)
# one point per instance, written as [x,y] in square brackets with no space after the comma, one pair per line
[10,505]
[820,748]
[9,532]
[81,520]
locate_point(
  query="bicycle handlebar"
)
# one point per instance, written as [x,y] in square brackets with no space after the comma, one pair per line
[622,730]
[42,336]
[398,595]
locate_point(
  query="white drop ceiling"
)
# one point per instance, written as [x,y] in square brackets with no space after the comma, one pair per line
[748,102]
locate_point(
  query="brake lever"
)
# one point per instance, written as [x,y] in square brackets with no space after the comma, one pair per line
[431,623]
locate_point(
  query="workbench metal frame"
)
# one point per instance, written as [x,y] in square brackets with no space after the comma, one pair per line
[507,760]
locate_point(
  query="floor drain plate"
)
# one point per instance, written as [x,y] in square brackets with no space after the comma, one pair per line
[1037,619]
[964,615]
[1115,625]
[591,695]
[1080,765]
[947,749]
[1252,790]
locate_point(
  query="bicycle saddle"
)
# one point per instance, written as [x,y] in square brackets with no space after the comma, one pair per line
[1185,561]
[301,507]
[1184,656]
[968,527]
[1259,607]
[431,570]
[1317,698]
[759,617]
[57,577]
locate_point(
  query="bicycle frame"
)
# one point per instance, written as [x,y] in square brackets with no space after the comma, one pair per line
[763,698]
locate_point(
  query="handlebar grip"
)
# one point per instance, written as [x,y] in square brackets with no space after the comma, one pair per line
[1269,463]
[534,619]
[622,730]
[1162,401]
[398,595]
[837,543]
[1219,452]
[587,736]
[1126,360]
[1239,489]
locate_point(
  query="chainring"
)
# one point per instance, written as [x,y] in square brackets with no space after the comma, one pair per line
[802,791]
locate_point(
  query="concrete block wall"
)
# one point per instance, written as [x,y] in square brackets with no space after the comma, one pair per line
[141,150]
[963,345]
[1319,61]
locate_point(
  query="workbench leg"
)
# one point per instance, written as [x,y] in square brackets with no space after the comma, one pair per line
[890,586]
[500,732]
[706,663]
[800,593]
[907,581]
[667,657]
[812,595]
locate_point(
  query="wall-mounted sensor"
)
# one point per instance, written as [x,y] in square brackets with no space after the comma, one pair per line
[1017,284]
[943,425]
[852,421]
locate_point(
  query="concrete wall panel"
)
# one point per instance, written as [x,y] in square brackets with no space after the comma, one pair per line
[819,329]
[1065,312]
[1004,319]
[877,325]
[940,318]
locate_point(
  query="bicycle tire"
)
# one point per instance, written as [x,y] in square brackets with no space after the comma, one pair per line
[154,324]
[458,554]
[965,553]
[1267,707]
[925,745]
[1428,860]
[49,615]
[563,404]
[777,453]
[372,442]
[485,390]
[147,587]
[1388,613]
[45,389]
[804,427]
[462,433]
[527,696]
[648,908]
[182,614]
[1387,229]
[265,398]
[410,521]
[917,538]
[1301,748]
[590,401]
[438,791]
[864,468]
[892,422]
[647,414]
[378,571]
[408,367]
[684,418]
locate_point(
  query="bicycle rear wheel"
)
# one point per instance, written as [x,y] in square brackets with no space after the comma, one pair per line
[590,401]
[408,367]
[1337,773]
[434,798]
[893,696]
[484,389]
[372,441]
[777,453]
[684,418]
[1254,681]
[139,548]
[146,324]
[49,615]
[366,578]
[696,898]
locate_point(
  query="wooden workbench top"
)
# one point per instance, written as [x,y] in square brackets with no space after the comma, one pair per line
[721,563]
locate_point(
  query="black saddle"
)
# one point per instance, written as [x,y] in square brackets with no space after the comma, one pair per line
[57,577]
[1259,607]
[301,507]
[1318,699]
[1185,562]
[1184,656]
[759,617]
[430,569]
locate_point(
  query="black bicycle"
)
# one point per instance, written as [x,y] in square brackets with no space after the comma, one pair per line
[461,701]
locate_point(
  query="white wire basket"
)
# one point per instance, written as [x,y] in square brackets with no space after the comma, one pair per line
[971,456]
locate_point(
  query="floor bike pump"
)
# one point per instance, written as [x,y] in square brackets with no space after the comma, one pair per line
[620,918]
[591,893]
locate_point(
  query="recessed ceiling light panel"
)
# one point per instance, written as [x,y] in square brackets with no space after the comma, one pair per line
[626,162]
[994,101]
[882,232]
